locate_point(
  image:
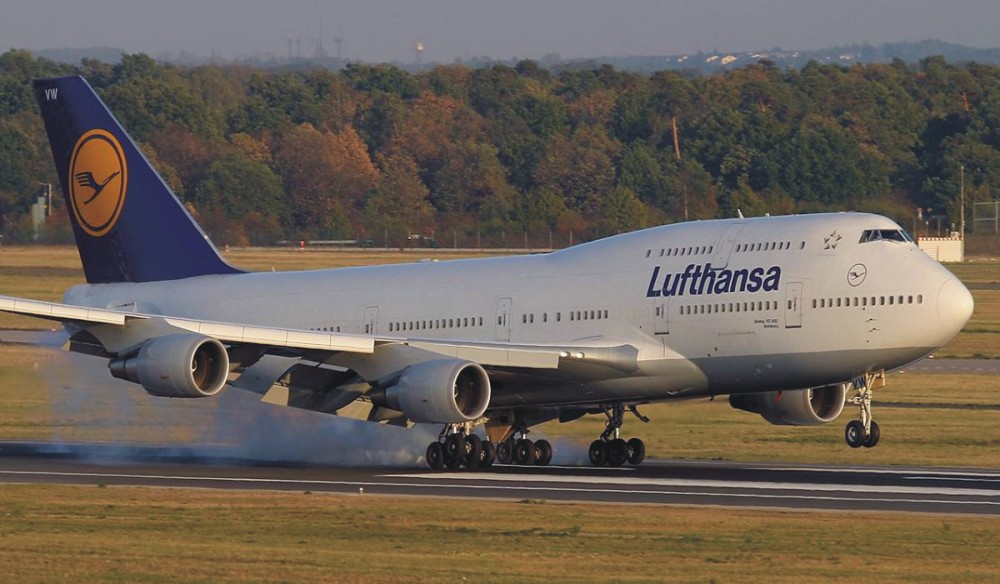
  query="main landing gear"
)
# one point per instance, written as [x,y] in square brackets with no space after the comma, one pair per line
[523,451]
[864,432]
[457,446]
[612,450]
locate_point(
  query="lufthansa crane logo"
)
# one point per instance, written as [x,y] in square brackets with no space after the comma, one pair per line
[856,275]
[98,177]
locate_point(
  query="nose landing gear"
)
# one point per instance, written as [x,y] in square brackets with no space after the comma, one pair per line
[864,432]
[611,449]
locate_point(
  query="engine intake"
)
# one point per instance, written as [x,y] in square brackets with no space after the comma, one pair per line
[180,365]
[442,391]
[799,407]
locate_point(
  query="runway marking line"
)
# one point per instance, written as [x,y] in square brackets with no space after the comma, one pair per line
[639,481]
[524,488]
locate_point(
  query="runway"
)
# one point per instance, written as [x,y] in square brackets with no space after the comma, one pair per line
[658,482]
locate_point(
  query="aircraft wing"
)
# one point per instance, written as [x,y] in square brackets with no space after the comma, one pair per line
[121,323]
[119,331]
[316,370]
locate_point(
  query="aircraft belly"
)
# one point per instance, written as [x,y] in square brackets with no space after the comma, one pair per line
[757,373]
[655,380]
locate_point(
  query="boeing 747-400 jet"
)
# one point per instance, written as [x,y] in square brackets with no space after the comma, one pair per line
[791,317]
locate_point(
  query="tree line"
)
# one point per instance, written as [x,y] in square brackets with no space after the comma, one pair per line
[477,156]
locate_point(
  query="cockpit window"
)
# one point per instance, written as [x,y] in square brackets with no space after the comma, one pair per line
[897,235]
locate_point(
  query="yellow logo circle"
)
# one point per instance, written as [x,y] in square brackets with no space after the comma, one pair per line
[98,176]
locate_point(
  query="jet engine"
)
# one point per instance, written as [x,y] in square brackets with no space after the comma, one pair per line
[799,407]
[180,365]
[443,391]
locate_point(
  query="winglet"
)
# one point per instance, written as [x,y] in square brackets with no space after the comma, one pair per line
[129,226]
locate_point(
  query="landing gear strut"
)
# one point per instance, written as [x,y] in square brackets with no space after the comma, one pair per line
[457,446]
[864,432]
[611,449]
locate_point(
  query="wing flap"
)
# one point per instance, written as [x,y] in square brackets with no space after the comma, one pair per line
[60,312]
[223,331]
[495,356]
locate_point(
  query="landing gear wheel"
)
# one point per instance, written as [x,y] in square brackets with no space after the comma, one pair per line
[598,452]
[473,451]
[854,434]
[543,453]
[435,456]
[617,452]
[489,455]
[636,451]
[873,435]
[453,463]
[524,452]
[505,452]
[454,447]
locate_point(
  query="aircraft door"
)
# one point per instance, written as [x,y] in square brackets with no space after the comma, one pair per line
[793,305]
[370,324]
[725,246]
[661,320]
[503,319]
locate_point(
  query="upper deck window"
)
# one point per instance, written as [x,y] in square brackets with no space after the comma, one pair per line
[897,235]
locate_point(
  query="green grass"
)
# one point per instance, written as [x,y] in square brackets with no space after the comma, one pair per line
[92,534]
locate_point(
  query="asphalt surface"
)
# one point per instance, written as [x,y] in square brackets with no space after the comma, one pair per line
[659,482]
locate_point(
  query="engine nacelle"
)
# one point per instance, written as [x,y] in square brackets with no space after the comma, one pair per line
[443,391]
[180,365]
[799,407]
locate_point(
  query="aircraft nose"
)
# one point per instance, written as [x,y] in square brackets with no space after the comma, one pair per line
[954,305]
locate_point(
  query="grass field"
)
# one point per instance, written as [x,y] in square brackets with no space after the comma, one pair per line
[93,534]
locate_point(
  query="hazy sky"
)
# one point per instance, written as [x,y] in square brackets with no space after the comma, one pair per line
[388,30]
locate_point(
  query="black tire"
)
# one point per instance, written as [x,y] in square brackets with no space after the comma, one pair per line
[454,446]
[636,451]
[598,453]
[505,452]
[473,451]
[543,453]
[854,434]
[524,452]
[489,455]
[873,435]
[452,463]
[435,456]
[617,452]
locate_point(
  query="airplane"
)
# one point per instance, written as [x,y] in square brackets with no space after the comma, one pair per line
[791,317]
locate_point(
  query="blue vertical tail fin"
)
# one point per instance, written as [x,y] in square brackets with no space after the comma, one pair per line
[129,226]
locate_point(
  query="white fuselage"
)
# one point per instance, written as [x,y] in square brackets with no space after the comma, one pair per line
[714,307]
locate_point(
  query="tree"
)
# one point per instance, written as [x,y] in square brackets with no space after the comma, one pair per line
[327,176]
[580,168]
[621,211]
[238,185]
[399,204]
